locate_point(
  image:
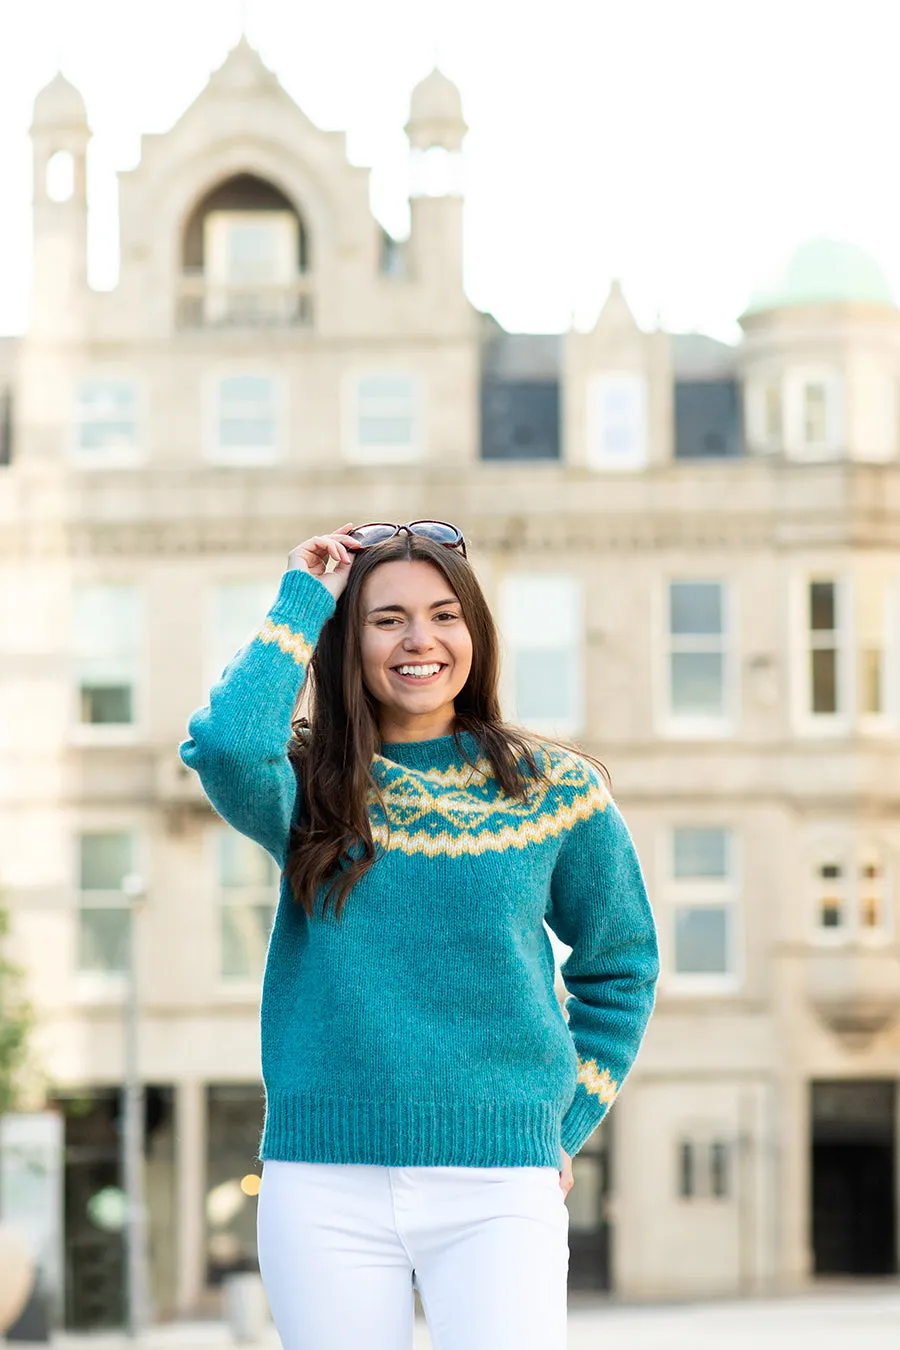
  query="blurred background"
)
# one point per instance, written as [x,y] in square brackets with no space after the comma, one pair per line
[613,288]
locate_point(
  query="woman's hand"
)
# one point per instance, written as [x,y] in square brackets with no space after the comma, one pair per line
[313,554]
[566,1180]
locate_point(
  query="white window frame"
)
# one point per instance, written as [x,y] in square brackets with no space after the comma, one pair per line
[111,733]
[542,637]
[121,457]
[239,987]
[702,893]
[756,412]
[690,726]
[796,381]
[836,843]
[807,722]
[212,672]
[244,456]
[884,722]
[97,986]
[354,450]
[599,387]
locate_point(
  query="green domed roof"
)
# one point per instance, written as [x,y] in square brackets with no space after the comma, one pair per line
[825,271]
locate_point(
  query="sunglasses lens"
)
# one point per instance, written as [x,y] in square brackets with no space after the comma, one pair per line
[438,530]
[372,534]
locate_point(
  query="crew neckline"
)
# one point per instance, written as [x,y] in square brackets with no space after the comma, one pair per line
[438,752]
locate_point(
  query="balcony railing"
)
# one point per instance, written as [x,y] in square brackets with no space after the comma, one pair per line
[203,303]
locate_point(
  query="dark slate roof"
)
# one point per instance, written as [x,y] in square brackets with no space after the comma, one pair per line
[520,356]
[698,357]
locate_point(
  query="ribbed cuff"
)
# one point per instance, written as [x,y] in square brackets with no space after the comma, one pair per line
[303,603]
[398,1133]
[579,1123]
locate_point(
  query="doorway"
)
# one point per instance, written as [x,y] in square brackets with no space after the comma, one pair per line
[854,1179]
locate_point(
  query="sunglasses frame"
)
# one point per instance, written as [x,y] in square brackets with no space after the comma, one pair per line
[459,542]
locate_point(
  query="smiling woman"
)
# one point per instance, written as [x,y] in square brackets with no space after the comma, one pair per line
[419,1072]
[416,649]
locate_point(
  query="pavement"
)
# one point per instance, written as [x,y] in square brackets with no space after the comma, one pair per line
[864,1318]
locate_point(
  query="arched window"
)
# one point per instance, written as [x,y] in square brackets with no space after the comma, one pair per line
[245,230]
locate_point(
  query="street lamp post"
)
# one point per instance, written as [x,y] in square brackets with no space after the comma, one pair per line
[133,1129]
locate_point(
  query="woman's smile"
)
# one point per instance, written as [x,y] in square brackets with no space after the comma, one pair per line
[411,672]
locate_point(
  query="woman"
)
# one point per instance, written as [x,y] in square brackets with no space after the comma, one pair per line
[424,1093]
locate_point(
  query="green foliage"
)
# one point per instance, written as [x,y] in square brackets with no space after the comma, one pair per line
[15,1023]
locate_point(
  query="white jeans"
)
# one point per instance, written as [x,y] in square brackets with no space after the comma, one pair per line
[340,1245]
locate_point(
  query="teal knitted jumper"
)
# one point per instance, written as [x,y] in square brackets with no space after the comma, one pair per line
[422,1028]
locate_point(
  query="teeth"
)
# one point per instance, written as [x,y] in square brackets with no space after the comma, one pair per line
[418,672]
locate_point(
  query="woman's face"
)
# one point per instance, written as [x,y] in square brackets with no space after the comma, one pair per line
[416,648]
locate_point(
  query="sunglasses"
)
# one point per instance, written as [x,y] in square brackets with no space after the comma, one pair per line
[439,531]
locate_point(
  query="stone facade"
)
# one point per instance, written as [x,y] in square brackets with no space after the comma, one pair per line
[709,536]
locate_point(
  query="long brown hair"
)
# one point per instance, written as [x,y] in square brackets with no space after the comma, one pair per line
[332,750]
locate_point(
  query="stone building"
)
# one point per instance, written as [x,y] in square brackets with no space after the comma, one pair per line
[693,551]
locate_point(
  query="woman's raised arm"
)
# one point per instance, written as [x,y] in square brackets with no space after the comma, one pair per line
[238,742]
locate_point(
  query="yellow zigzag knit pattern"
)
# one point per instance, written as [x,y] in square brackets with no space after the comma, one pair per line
[291,643]
[598,1082]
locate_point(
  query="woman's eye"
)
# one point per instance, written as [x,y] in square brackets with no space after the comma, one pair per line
[382,623]
[447,615]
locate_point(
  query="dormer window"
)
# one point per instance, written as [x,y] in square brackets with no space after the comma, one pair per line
[245,259]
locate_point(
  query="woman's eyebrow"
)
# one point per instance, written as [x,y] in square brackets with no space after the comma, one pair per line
[399,609]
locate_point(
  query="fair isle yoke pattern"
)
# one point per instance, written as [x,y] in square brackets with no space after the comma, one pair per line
[422,1028]
[451,812]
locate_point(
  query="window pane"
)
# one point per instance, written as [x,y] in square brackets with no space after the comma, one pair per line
[695,607]
[242,862]
[545,610]
[105,622]
[870,680]
[386,430]
[106,414]
[546,684]
[618,434]
[105,705]
[697,683]
[773,413]
[104,859]
[104,940]
[245,936]
[815,413]
[252,252]
[718,1169]
[387,410]
[699,852]
[247,412]
[824,680]
[822,606]
[701,940]
[687,1181]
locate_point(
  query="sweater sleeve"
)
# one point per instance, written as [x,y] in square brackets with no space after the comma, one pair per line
[238,742]
[599,907]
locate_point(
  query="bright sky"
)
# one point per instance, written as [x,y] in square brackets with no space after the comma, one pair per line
[683,145]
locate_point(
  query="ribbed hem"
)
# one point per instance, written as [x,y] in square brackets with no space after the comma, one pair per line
[304,1128]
